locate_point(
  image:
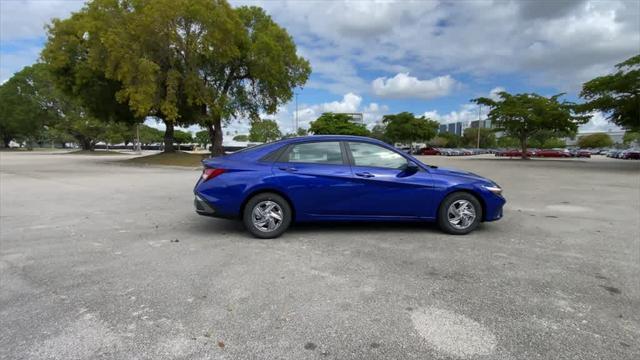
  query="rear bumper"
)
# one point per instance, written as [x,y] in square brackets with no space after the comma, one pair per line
[202,207]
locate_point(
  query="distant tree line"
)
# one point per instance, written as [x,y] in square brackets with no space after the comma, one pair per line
[115,63]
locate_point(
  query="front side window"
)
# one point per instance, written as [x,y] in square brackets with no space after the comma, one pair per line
[325,152]
[365,154]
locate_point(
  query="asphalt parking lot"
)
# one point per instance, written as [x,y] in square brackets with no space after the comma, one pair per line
[102,260]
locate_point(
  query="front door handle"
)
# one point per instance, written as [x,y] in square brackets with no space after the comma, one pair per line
[290,169]
[365,174]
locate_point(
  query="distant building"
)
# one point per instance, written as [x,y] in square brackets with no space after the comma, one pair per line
[356,118]
[459,127]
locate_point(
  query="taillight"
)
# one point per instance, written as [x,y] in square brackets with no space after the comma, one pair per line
[208,173]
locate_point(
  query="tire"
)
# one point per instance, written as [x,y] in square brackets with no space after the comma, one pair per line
[464,224]
[276,205]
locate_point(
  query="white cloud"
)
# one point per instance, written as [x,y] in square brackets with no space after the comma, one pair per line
[599,122]
[493,94]
[466,112]
[350,103]
[27,19]
[405,86]
[557,44]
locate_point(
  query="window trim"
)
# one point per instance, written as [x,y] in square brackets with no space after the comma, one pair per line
[274,155]
[352,161]
[284,156]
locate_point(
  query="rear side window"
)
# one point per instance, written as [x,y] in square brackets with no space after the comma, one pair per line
[325,152]
[365,154]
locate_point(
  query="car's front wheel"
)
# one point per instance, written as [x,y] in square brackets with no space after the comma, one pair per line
[267,215]
[460,213]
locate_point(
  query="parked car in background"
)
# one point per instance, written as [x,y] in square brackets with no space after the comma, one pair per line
[548,153]
[429,151]
[583,153]
[514,153]
[340,178]
[631,154]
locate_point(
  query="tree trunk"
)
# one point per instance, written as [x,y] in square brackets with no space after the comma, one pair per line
[6,140]
[168,138]
[87,144]
[523,145]
[215,135]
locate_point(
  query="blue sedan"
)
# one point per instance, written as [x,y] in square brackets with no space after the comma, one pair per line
[340,178]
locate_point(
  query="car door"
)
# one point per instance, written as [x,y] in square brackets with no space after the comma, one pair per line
[386,184]
[316,177]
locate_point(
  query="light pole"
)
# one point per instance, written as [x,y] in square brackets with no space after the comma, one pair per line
[296,122]
[479,114]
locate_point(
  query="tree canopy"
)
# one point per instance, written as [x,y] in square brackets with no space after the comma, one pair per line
[337,124]
[405,127]
[597,140]
[617,95]
[523,115]
[264,131]
[185,62]
[487,137]
[27,104]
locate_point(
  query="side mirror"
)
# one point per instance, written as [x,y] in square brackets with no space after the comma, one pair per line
[411,168]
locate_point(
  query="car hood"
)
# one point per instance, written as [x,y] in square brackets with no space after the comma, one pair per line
[467,175]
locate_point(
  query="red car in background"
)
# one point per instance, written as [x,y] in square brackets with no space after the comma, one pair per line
[514,153]
[552,153]
[631,154]
[429,151]
[583,153]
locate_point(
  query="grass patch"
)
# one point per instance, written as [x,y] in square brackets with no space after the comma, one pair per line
[178,158]
[95,152]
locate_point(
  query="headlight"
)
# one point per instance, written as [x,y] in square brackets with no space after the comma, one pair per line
[494,189]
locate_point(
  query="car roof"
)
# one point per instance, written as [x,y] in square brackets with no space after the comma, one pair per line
[330,138]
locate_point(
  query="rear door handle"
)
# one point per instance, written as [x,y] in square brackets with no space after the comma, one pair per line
[290,169]
[365,174]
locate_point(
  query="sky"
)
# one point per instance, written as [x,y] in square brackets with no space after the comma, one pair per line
[426,57]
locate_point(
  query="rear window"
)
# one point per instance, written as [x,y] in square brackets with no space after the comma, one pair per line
[325,152]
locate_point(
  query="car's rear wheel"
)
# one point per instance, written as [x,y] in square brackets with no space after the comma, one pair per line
[460,213]
[267,215]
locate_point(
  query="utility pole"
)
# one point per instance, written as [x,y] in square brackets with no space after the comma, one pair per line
[479,114]
[296,123]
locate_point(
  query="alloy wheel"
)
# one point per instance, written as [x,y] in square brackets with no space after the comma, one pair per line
[267,216]
[461,214]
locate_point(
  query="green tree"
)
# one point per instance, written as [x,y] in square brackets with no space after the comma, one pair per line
[524,115]
[552,143]
[507,142]
[405,127]
[487,138]
[631,136]
[451,140]
[547,139]
[302,132]
[260,78]
[337,124]
[202,138]
[597,140]
[264,131]
[115,133]
[75,55]
[27,104]
[241,137]
[379,131]
[438,141]
[150,135]
[182,137]
[617,95]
